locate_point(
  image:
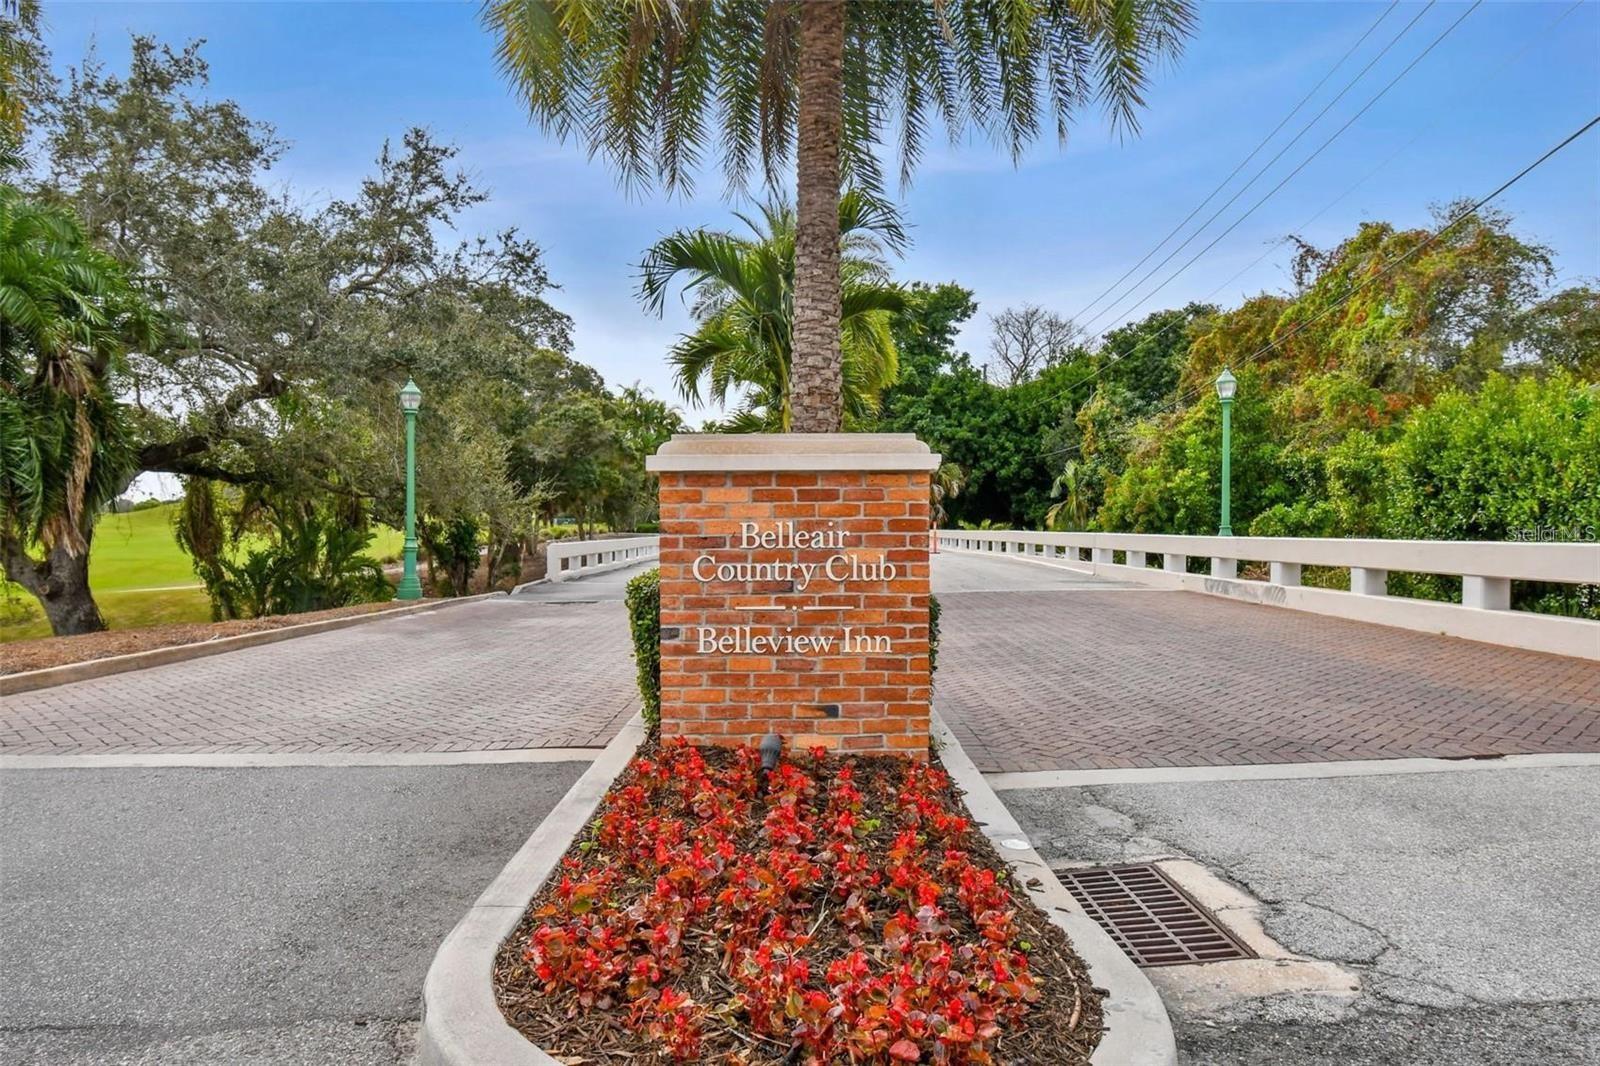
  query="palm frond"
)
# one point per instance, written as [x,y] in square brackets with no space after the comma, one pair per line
[742,349]
[652,84]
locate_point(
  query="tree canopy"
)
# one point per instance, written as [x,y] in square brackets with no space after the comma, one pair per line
[283,331]
[653,86]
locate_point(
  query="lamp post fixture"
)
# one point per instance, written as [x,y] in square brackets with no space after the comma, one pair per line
[1227,385]
[410,588]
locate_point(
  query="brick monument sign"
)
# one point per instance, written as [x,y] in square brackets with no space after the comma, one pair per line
[794,589]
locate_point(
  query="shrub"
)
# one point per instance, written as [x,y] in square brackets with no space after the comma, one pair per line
[850,910]
[311,555]
[644,619]
[933,633]
[572,531]
[14,610]
[559,531]
[1518,459]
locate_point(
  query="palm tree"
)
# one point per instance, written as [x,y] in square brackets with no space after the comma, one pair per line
[947,483]
[650,84]
[1071,490]
[67,317]
[744,300]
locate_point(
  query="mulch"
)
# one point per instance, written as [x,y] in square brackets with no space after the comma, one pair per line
[1062,1028]
[22,655]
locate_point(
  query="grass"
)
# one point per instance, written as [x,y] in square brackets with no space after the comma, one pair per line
[140,577]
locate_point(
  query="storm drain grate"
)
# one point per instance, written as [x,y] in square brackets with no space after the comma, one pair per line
[1151,919]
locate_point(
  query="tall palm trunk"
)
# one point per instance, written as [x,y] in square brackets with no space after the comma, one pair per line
[816,378]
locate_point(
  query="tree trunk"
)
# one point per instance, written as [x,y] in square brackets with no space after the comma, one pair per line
[61,584]
[461,575]
[816,376]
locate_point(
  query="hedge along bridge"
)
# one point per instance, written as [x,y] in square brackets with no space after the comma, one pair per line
[1075,651]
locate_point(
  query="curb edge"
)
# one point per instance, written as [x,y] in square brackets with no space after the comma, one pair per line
[461,1021]
[89,669]
[1138,1030]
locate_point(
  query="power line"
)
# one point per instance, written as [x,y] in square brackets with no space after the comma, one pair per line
[1253,152]
[1327,207]
[1303,164]
[1276,188]
[1517,57]
[1388,269]
[1262,170]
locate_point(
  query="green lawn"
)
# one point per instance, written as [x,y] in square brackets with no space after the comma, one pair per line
[141,577]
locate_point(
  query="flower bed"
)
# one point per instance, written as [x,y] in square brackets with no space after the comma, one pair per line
[833,911]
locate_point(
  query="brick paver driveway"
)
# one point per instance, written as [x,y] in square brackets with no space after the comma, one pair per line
[1041,669]
[514,672]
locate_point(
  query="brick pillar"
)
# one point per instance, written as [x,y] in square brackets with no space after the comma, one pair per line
[794,589]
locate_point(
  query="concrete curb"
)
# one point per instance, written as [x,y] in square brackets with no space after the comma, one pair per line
[51,676]
[1138,1031]
[1297,771]
[244,760]
[461,1022]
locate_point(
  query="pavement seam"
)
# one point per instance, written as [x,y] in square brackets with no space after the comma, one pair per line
[273,760]
[1013,781]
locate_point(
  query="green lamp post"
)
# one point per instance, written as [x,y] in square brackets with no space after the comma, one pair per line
[410,399]
[1227,385]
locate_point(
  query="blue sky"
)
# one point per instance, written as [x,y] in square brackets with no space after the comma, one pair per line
[336,79]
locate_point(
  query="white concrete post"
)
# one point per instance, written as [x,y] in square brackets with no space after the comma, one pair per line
[1103,555]
[1486,593]
[1224,568]
[1286,573]
[1136,559]
[1174,564]
[1366,581]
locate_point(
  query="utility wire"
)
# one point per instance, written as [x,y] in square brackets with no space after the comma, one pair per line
[1517,57]
[1351,84]
[1388,269]
[1271,192]
[1293,173]
[1253,153]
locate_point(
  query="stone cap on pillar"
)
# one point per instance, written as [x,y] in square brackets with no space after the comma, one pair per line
[720,452]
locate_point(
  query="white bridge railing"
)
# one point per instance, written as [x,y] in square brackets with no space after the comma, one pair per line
[567,559]
[1486,570]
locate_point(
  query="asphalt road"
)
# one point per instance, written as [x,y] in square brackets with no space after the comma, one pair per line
[1464,902]
[260,916]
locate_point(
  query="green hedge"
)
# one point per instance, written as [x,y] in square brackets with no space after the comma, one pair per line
[644,619]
